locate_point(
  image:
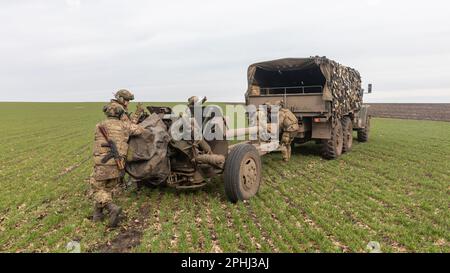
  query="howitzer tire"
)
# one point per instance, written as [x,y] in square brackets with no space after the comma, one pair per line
[332,148]
[347,128]
[363,134]
[242,174]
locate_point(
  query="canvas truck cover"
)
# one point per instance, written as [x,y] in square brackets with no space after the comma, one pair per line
[341,85]
[147,153]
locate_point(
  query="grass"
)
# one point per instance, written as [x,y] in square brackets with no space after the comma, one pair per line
[393,190]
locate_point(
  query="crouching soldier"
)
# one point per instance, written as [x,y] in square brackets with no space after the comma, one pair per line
[288,125]
[110,149]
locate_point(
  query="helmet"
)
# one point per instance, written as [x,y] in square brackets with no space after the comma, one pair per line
[192,100]
[113,110]
[279,103]
[123,95]
[275,103]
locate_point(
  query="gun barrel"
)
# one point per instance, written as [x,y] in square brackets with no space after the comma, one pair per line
[232,133]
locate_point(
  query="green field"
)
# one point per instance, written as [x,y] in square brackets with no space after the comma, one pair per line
[393,190]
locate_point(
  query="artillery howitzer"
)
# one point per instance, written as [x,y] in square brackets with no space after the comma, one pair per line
[191,161]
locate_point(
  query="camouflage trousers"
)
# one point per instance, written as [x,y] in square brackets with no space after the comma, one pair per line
[103,191]
[285,144]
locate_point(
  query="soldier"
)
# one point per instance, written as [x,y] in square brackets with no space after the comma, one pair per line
[110,149]
[122,99]
[288,125]
[192,101]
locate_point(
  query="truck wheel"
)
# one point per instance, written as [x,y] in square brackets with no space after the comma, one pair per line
[363,134]
[347,127]
[242,174]
[332,148]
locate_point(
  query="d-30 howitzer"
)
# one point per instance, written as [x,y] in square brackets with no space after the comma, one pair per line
[113,152]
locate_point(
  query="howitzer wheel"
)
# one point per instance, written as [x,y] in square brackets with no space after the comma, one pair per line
[242,174]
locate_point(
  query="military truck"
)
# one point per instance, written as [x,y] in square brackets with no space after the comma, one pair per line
[326,97]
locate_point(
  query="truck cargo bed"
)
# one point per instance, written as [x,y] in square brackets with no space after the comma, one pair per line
[305,104]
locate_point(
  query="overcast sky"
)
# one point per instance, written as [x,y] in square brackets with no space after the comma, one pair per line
[79,50]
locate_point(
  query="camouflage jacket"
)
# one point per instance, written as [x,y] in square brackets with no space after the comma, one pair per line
[127,116]
[119,131]
[288,121]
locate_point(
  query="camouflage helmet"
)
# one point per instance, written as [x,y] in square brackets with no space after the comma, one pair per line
[192,100]
[275,103]
[124,95]
[113,110]
[279,103]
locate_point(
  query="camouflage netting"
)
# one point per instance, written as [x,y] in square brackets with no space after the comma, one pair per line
[147,158]
[341,85]
[344,84]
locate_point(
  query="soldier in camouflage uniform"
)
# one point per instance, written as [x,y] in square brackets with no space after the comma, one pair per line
[106,175]
[192,101]
[122,99]
[288,125]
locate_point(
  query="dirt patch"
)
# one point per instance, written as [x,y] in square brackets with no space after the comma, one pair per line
[130,234]
[125,241]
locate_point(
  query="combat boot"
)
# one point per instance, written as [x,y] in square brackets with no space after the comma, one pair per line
[114,214]
[284,153]
[98,215]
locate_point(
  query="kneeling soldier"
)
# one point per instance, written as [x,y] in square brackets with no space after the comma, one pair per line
[288,124]
[110,149]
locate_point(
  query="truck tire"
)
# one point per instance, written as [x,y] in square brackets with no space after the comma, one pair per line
[363,134]
[242,174]
[332,148]
[347,129]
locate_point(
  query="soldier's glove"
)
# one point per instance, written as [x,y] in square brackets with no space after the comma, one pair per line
[139,108]
[269,128]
